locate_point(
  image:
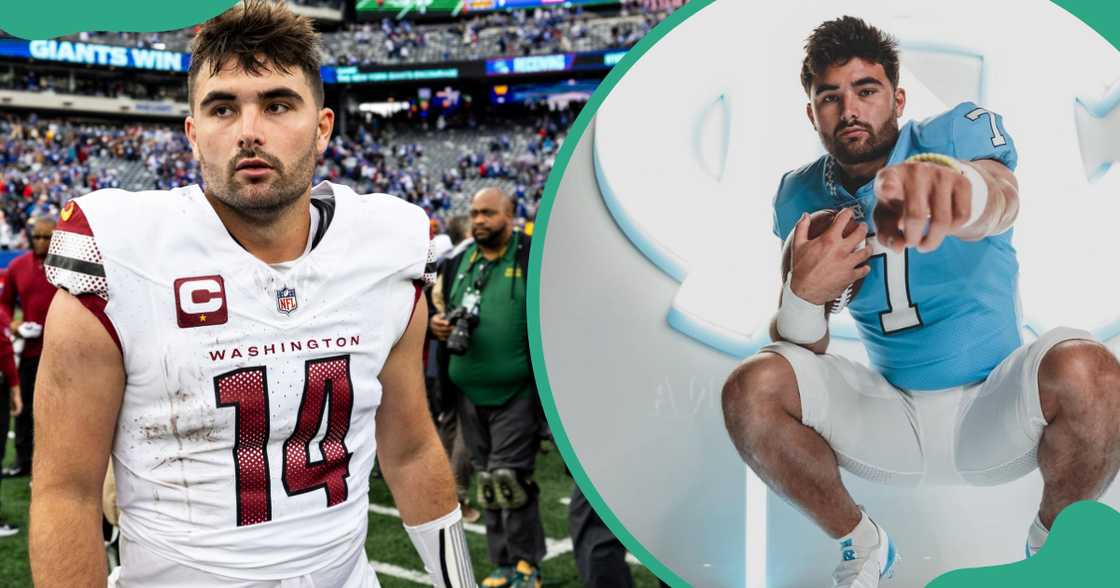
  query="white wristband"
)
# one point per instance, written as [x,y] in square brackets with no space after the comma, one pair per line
[800,321]
[443,549]
[979,191]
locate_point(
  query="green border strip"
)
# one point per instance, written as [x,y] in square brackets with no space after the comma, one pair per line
[54,18]
[540,230]
[1080,552]
[1101,16]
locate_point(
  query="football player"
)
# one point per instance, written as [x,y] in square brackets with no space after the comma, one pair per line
[952,395]
[242,351]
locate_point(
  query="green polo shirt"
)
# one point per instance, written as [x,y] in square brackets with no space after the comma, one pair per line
[496,367]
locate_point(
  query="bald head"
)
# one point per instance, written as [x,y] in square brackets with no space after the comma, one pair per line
[492,218]
[495,196]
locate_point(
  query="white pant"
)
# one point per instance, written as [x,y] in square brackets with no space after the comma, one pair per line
[981,434]
[140,567]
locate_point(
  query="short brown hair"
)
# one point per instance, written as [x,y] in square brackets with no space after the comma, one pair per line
[836,42]
[258,34]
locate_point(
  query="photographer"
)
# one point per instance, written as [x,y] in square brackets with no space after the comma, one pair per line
[486,332]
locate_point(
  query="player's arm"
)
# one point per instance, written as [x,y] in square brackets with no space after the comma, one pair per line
[78,396]
[931,196]
[1002,206]
[415,465]
[819,270]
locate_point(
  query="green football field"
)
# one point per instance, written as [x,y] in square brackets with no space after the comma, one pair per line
[388,546]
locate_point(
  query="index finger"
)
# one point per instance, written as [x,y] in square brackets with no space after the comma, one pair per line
[888,186]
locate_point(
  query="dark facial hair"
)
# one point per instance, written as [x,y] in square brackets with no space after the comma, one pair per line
[879,142]
[287,187]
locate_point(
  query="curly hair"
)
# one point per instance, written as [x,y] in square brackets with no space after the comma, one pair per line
[836,42]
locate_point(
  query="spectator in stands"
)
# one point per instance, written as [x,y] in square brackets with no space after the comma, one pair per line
[499,410]
[26,286]
[518,32]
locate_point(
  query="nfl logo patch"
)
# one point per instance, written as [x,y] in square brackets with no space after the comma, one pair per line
[286,300]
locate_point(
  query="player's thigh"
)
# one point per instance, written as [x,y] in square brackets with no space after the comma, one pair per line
[1001,427]
[870,425]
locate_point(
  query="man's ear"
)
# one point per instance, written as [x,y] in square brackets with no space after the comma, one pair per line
[809,113]
[189,130]
[326,127]
[899,102]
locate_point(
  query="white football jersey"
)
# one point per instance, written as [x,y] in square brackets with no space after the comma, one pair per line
[246,435]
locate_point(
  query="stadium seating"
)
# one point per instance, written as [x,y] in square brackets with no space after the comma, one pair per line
[46,162]
[525,32]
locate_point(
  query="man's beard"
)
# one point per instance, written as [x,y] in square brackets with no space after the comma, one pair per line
[262,200]
[493,240]
[878,144]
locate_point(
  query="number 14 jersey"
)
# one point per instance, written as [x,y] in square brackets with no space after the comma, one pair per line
[246,434]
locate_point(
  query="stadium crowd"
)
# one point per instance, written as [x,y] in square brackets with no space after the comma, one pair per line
[46,162]
[438,168]
[523,32]
[38,81]
[391,41]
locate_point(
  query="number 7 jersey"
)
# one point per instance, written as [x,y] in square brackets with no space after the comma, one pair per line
[930,320]
[246,433]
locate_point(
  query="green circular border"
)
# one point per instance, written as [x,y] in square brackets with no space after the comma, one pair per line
[55,18]
[1102,16]
[540,231]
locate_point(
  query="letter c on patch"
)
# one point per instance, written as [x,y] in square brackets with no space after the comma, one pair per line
[200,301]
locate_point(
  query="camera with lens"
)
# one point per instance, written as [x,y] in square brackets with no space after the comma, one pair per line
[463,321]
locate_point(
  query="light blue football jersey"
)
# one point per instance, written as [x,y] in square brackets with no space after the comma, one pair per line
[929,320]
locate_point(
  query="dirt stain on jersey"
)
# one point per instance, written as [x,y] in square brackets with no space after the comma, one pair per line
[154,431]
[199,428]
[182,466]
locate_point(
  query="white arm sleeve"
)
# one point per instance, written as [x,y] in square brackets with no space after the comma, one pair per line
[442,546]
